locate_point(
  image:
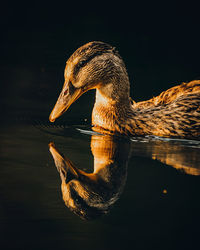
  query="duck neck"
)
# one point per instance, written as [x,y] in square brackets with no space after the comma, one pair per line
[112,106]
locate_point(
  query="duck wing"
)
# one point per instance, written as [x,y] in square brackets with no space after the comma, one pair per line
[170,95]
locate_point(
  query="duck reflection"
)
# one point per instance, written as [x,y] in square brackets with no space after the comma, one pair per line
[181,155]
[91,195]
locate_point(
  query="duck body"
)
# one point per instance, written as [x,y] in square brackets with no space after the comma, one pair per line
[174,113]
[97,65]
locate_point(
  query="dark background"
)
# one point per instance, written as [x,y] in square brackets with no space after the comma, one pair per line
[160,47]
[158,42]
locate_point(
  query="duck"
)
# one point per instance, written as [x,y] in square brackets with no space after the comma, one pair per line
[97,65]
[91,195]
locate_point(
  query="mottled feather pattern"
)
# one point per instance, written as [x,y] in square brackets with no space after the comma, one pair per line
[171,94]
[178,118]
[97,65]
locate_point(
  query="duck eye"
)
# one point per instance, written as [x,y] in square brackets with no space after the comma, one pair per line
[79,65]
[82,63]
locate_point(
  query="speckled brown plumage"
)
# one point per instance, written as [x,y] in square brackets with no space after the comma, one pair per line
[96,65]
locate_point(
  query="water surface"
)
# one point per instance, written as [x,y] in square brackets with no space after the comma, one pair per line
[157,206]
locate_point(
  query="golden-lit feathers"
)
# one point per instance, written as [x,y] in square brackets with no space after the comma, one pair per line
[174,113]
[97,65]
[171,94]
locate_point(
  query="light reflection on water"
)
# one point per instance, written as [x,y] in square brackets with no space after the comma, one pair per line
[153,200]
[91,195]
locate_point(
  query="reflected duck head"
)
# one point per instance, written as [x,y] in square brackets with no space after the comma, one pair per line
[80,190]
[90,195]
[95,65]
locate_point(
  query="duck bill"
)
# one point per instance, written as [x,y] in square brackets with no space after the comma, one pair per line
[63,164]
[64,102]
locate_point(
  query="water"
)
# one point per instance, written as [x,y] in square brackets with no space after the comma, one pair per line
[154,205]
[151,197]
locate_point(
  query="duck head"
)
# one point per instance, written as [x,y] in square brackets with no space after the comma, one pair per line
[90,195]
[95,65]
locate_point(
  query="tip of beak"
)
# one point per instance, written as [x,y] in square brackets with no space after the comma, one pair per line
[56,155]
[51,118]
[51,144]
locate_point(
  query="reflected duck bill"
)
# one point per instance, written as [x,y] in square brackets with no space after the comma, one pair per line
[91,195]
[64,101]
[62,163]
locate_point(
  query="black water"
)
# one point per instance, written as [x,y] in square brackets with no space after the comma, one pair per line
[158,206]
